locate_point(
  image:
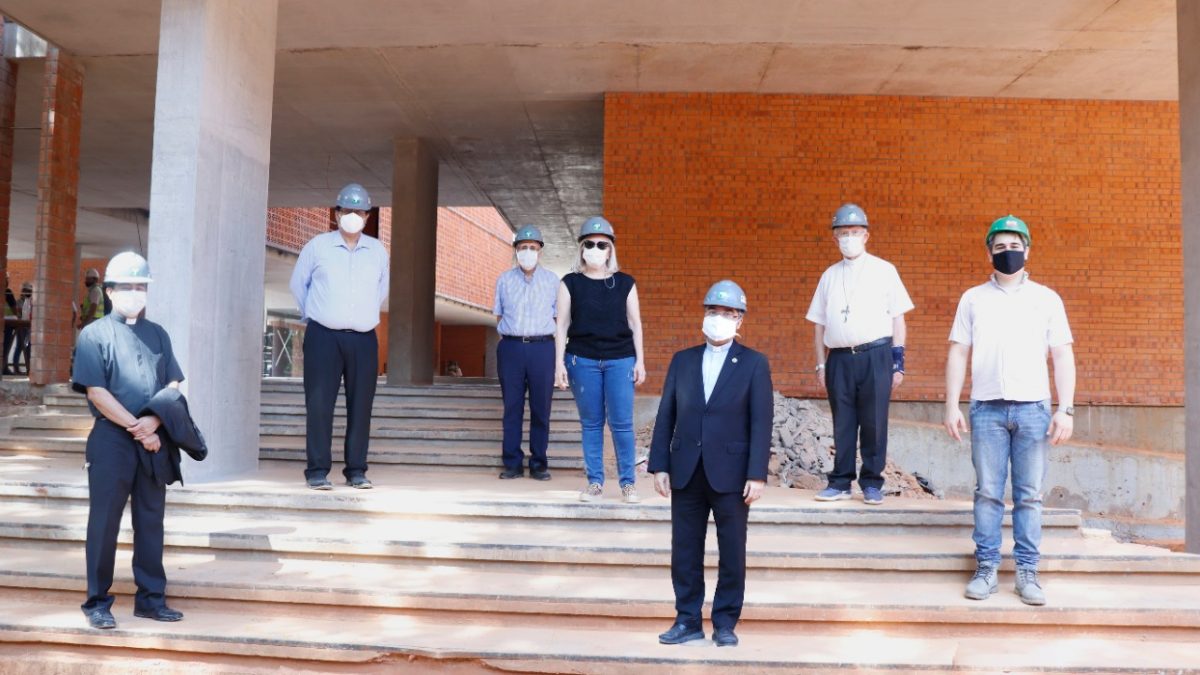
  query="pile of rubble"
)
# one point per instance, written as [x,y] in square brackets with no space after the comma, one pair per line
[802,451]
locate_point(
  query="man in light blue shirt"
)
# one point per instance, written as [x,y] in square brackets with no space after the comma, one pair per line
[340,282]
[526,298]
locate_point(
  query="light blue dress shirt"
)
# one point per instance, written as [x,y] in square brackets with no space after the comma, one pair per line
[526,306]
[339,288]
[714,360]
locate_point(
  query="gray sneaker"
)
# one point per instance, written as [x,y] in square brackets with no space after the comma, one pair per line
[1028,587]
[983,584]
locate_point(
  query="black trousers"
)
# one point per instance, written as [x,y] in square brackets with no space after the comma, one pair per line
[113,477]
[526,366]
[690,507]
[330,356]
[860,389]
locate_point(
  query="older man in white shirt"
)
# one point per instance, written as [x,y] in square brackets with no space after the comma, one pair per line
[858,311]
[340,282]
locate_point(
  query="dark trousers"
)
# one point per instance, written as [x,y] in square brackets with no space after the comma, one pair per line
[21,349]
[690,507]
[330,356]
[526,367]
[860,388]
[113,477]
[10,336]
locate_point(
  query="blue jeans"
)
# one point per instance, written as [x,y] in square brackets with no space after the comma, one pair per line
[604,389]
[1004,432]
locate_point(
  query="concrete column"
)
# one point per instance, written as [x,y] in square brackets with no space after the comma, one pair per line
[1188,36]
[208,214]
[411,340]
[8,114]
[52,333]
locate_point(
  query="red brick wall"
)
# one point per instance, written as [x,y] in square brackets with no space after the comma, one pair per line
[58,185]
[701,187]
[474,247]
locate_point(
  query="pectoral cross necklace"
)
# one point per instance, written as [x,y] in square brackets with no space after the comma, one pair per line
[854,287]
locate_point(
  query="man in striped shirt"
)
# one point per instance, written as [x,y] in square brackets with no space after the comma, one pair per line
[525,311]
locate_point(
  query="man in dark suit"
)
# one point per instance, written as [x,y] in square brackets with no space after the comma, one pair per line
[712,440]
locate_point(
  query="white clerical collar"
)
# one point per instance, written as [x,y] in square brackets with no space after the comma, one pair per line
[718,349]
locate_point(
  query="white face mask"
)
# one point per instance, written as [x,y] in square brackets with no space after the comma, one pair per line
[129,304]
[351,223]
[852,245]
[527,258]
[595,257]
[719,328]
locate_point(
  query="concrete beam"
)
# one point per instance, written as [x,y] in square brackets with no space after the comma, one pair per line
[208,210]
[1188,23]
[411,341]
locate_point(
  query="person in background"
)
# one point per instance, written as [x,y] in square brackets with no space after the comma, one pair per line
[340,282]
[526,297]
[1008,325]
[92,307]
[598,354]
[21,344]
[859,333]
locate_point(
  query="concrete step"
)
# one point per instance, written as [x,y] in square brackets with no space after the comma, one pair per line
[286,413]
[1149,601]
[546,644]
[422,491]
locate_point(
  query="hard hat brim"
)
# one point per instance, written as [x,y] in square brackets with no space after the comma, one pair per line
[128,280]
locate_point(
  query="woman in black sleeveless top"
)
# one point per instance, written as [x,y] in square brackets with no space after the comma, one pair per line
[599,344]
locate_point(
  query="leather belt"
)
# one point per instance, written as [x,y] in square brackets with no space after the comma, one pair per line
[858,349]
[528,338]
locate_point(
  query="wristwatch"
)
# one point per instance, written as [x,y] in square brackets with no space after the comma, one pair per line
[819,368]
[1070,410]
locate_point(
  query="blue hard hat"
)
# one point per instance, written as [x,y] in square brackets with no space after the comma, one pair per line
[850,215]
[354,196]
[127,268]
[597,225]
[528,233]
[725,293]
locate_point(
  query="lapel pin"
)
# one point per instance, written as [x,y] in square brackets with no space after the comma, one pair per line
[735,359]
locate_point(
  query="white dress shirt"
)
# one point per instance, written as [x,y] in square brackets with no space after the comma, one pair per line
[711,364]
[858,300]
[1010,333]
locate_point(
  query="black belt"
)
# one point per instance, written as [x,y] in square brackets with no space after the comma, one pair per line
[342,330]
[881,342]
[528,338]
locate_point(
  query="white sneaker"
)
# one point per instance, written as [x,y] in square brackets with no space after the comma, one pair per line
[591,493]
[629,494]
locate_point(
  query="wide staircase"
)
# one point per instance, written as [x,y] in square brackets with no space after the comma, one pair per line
[444,568]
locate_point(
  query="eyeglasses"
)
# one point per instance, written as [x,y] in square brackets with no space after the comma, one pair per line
[722,311]
[602,245]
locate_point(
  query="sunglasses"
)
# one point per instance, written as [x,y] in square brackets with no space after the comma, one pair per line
[602,245]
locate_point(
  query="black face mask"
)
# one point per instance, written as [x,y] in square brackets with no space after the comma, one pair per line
[1008,262]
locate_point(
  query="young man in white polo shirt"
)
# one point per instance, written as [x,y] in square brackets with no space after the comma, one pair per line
[1008,325]
[859,331]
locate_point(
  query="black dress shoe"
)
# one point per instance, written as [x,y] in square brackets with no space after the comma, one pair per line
[681,633]
[100,618]
[541,474]
[163,613]
[509,474]
[725,637]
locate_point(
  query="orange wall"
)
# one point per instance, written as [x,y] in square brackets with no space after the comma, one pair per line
[706,186]
[465,344]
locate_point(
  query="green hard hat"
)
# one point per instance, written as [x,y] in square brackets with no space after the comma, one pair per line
[354,196]
[528,233]
[1009,223]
